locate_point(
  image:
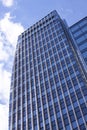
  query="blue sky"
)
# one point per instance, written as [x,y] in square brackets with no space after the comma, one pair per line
[15,17]
[30,11]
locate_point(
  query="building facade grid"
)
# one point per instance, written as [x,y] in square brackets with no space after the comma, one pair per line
[48,91]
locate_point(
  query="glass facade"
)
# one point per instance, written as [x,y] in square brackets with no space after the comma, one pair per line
[48,89]
[79,32]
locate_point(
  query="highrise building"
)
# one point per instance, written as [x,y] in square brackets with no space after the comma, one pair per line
[49,82]
[79,33]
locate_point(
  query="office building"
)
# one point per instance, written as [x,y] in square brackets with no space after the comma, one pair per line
[79,33]
[49,83]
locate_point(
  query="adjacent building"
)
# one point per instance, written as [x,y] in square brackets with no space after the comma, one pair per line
[79,33]
[49,83]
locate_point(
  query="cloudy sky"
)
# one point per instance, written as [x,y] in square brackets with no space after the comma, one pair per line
[15,17]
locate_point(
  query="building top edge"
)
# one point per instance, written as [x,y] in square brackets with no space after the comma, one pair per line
[85,18]
[46,17]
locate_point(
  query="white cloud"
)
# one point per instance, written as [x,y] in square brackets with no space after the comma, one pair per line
[10,29]
[3,117]
[4,82]
[7,3]
[9,32]
[3,54]
[4,96]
